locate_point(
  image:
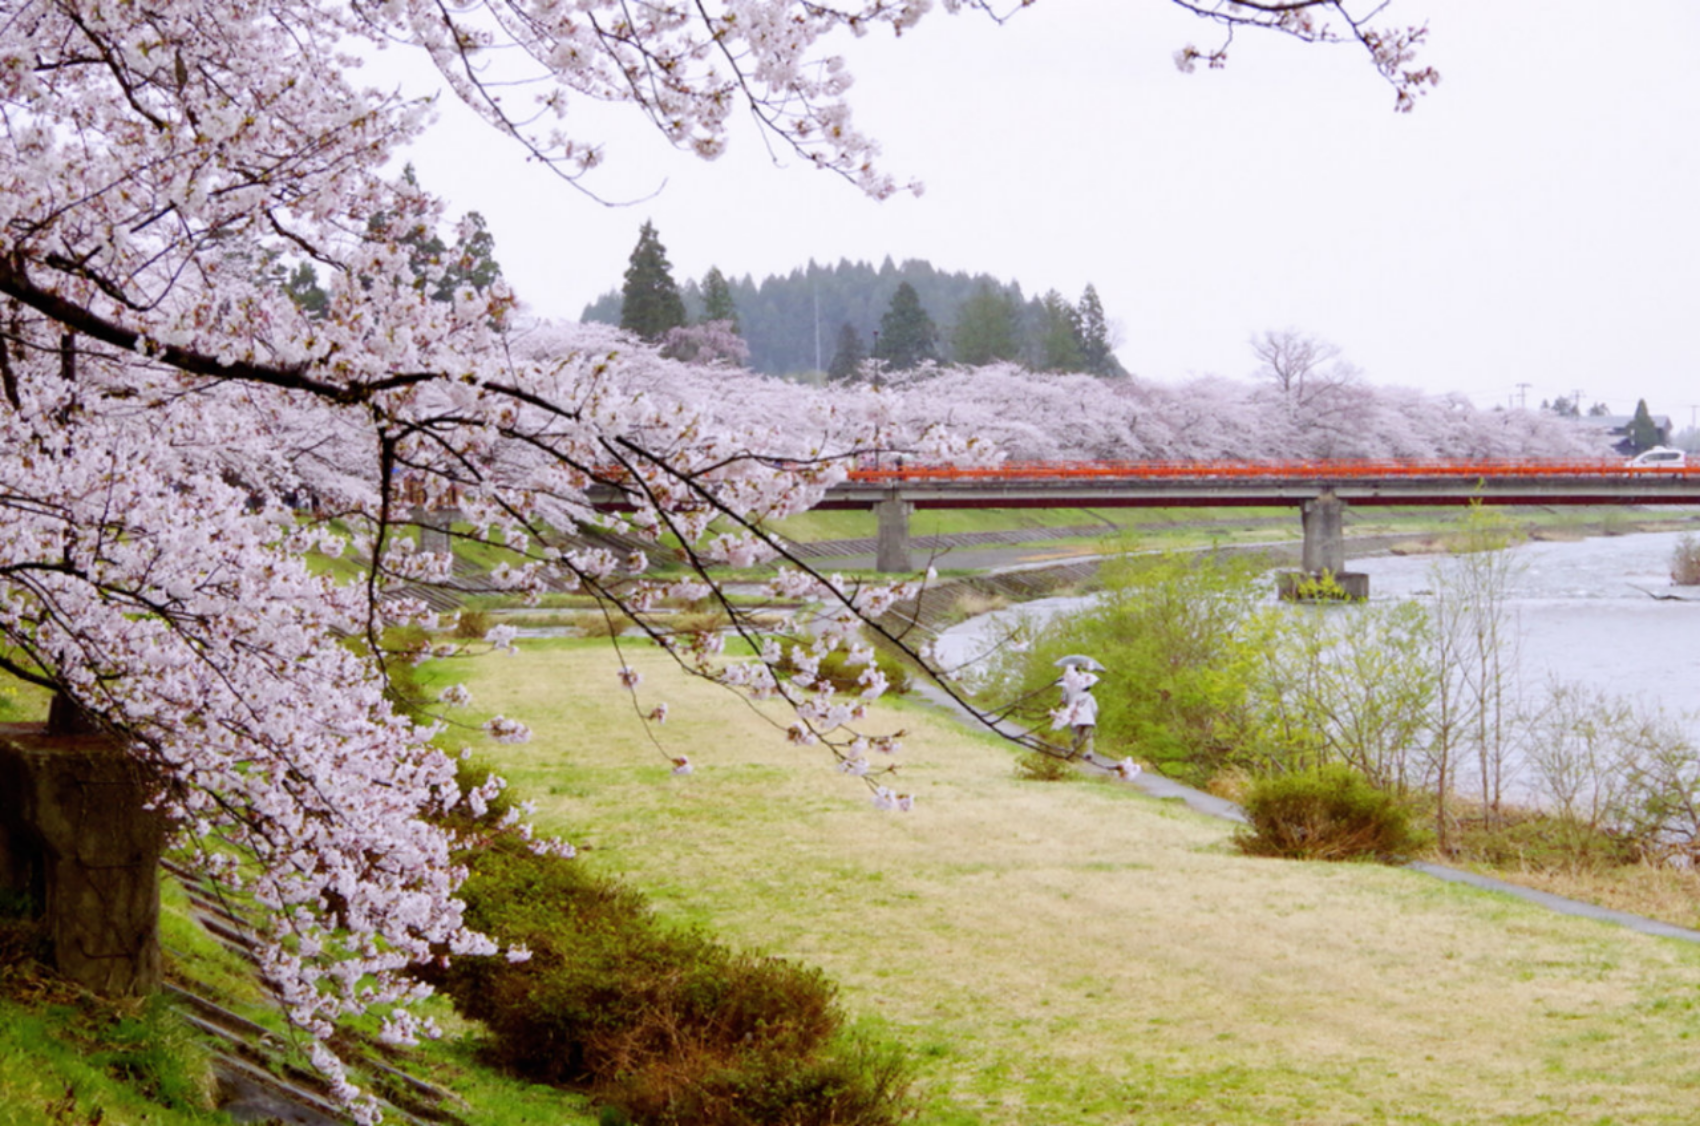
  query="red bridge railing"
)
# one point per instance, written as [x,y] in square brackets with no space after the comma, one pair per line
[1263,471]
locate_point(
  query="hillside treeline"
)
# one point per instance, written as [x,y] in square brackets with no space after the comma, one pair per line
[795,323]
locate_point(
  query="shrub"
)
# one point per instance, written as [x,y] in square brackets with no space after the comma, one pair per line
[849,1086]
[665,1024]
[1327,814]
[1042,768]
[473,623]
[1541,841]
[1685,562]
[605,622]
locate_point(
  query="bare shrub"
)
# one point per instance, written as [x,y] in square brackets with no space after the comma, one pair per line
[1685,562]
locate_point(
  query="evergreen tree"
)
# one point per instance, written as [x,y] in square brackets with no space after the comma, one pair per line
[849,355]
[1057,347]
[1643,432]
[605,310]
[988,328]
[1094,336]
[471,262]
[717,303]
[650,302]
[302,286]
[907,334]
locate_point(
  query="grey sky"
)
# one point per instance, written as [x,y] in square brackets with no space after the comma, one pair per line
[1533,221]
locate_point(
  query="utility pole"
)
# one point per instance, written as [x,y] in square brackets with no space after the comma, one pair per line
[1523,394]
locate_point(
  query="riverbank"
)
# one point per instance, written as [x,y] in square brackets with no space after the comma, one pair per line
[1589,623]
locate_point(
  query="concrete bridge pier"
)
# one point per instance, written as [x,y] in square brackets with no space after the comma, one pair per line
[1324,552]
[894,515]
[434,528]
[1325,534]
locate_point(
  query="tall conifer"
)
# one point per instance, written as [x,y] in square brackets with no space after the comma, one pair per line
[650,302]
[907,333]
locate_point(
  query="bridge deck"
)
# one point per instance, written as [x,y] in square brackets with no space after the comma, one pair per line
[1205,484]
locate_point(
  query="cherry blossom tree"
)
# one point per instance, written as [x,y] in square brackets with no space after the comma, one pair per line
[180,440]
[1051,416]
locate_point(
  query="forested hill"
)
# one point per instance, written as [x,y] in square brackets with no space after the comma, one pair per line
[794,323]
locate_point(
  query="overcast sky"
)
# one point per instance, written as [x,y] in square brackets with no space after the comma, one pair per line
[1533,221]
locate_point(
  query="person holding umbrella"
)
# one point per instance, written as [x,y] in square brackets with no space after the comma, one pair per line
[1079,709]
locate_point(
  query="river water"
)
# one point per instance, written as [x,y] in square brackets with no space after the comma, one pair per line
[1585,610]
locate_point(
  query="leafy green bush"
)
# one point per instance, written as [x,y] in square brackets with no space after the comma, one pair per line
[1304,587]
[664,1024]
[1328,814]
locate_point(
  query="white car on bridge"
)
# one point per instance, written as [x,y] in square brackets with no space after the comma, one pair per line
[1659,458]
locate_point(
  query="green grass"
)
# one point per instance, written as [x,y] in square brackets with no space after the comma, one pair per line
[68,1057]
[1074,952]
[70,1061]
[22,702]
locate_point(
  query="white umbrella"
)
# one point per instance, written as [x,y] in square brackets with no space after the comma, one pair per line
[1081,661]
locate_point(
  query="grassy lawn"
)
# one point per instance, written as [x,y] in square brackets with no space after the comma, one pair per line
[1075,952]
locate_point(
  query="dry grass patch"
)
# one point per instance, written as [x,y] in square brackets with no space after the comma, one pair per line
[1077,953]
[1671,895]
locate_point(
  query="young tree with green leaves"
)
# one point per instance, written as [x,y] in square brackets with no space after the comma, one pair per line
[650,302]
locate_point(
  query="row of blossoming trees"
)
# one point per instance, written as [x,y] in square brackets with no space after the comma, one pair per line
[1038,416]
[169,417]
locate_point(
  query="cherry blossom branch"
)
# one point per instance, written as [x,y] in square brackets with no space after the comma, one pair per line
[1391,50]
